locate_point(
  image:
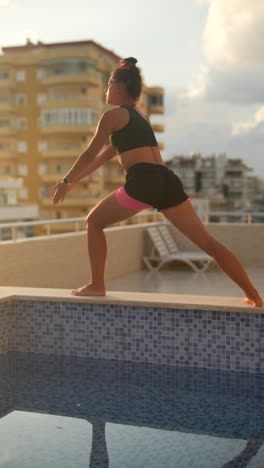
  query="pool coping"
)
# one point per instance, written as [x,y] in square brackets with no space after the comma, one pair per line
[173,301]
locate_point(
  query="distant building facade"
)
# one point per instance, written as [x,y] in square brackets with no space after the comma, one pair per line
[227,183]
[12,211]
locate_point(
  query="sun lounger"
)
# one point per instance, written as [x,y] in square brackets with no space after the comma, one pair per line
[165,250]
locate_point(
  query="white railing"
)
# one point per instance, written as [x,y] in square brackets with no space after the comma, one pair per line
[79,223]
[245,217]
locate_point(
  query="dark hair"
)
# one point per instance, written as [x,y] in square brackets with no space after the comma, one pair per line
[129,74]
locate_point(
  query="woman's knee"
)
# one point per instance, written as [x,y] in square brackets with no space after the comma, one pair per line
[92,221]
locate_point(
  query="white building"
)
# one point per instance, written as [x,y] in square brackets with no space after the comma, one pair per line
[225,182]
[11,211]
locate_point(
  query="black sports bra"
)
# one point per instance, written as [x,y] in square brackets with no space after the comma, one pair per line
[135,134]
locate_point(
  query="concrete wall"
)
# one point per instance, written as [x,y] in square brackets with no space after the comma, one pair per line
[61,261]
[246,241]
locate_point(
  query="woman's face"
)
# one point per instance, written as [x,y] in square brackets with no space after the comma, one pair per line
[114,92]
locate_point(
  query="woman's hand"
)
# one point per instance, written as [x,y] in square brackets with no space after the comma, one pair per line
[60,190]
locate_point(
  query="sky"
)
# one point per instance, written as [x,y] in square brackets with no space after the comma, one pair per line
[207,54]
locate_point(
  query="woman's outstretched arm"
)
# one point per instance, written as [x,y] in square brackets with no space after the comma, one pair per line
[87,160]
[103,130]
[99,160]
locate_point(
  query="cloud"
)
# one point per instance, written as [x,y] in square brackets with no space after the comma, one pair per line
[222,109]
[237,85]
[5,3]
[234,53]
[202,2]
[196,89]
[238,128]
[233,31]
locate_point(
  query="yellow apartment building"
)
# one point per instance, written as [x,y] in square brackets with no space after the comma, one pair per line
[51,96]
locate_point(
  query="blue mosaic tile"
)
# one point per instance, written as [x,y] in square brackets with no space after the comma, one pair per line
[202,339]
[5,315]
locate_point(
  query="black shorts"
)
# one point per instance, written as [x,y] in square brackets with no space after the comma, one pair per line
[154,184]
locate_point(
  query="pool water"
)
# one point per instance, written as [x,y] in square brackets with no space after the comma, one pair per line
[68,412]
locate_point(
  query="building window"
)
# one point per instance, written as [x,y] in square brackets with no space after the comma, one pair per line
[42,146]
[5,123]
[68,116]
[155,100]
[44,191]
[94,117]
[21,75]
[4,99]
[22,170]
[21,99]
[22,146]
[41,97]
[5,170]
[4,76]
[21,123]
[41,73]
[23,193]
[42,169]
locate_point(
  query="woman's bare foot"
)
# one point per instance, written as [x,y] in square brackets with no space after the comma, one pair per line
[88,290]
[254,299]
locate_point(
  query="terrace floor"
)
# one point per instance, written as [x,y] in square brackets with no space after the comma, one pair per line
[184,281]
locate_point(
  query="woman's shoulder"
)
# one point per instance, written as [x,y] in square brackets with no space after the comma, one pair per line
[119,116]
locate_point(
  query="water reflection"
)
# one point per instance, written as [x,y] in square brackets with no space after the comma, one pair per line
[118,399]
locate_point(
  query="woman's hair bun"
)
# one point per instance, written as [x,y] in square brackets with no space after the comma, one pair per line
[131,60]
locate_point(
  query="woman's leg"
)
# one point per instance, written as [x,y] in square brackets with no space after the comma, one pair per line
[186,220]
[106,212]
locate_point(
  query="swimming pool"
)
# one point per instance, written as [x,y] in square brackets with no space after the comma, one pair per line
[74,412]
[130,385]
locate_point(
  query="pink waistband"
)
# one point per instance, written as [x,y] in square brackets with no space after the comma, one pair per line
[129,202]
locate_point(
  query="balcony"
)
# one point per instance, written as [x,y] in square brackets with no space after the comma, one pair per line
[53,177]
[156,109]
[69,202]
[155,100]
[7,84]
[67,129]
[12,213]
[158,127]
[71,77]
[114,179]
[7,131]
[8,154]
[7,107]
[71,101]
[57,153]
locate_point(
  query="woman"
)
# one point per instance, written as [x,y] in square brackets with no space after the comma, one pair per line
[149,183]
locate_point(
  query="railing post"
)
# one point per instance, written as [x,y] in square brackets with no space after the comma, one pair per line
[13,232]
[48,229]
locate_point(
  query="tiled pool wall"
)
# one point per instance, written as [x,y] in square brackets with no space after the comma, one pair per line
[202,339]
[5,315]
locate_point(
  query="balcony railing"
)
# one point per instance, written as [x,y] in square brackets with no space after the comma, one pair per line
[8,106]
[71,100]
[7,131]
[79,223]
[87,77]
[8,153]
[84,129]
[7,83]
